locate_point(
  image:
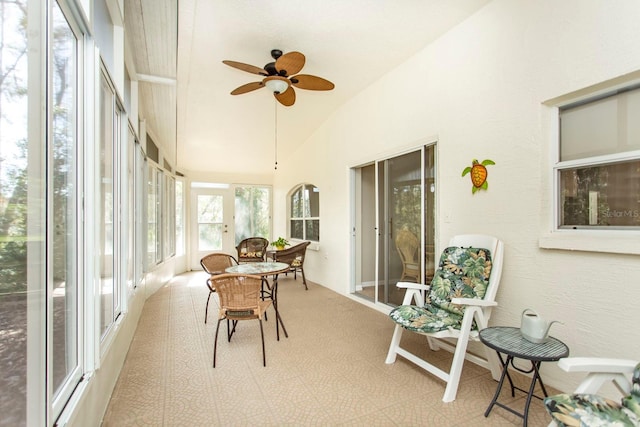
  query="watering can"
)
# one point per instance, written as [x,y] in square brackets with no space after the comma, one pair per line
[534,328]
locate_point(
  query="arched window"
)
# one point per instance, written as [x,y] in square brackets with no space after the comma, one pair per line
[304,213]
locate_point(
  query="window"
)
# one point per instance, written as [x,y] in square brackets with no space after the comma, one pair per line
[169,217]
[179,220]
[110,130]
[598,172]
[252,212]
[41,348]
[210,208]
[304,219]
[152,215]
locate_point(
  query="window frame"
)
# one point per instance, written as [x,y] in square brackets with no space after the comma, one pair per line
[602,239]
[303,218]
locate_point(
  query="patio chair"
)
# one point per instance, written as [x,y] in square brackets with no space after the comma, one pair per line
[407,245]
[294,256]
[584,407]
[240,299]
[252,249]
[456,305]
[215,264]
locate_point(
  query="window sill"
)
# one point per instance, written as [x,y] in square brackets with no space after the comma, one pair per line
[613,241]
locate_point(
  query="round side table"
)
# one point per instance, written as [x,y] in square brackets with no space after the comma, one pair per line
[509,341]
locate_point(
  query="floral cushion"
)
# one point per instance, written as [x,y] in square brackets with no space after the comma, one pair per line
[251,255]
[590,410]
[462,273]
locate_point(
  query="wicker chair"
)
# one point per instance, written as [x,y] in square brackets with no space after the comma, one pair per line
[294,256]
[252,249]
[407,245]
[215,264]
[240,299]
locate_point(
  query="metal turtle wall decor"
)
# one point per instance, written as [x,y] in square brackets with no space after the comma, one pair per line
[478,174]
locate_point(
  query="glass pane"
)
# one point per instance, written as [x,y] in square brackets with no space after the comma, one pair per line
[210,227]
[210,237]
[106,204]
[21,218]
[312,230]
[128,189]
[179,218]
[159,216]
[296,204]
[65,295]
[296,229]
[152,201]
[600,196]
[210,208]
[314,201]
[600,127]
[252,213]
[401,195]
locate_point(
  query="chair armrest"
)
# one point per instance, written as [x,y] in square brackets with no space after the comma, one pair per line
[413,293]
[411,285]
[473,301]
[597,364]
[599,372]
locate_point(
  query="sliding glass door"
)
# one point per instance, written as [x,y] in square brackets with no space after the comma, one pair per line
[393,231]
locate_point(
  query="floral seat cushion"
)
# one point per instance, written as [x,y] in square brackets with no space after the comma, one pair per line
[590,410]
[462,273]
[250,254]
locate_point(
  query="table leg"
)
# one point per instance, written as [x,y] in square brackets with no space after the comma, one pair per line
[505,367]
[274,297]
[536,377]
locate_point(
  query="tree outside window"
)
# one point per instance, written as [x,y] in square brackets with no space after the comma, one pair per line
[304,219]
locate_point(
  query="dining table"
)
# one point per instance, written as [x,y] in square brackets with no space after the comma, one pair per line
[264,270]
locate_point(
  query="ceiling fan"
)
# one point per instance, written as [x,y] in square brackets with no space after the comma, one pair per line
[280,78]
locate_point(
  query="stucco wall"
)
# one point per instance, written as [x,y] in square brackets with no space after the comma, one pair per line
[479,90]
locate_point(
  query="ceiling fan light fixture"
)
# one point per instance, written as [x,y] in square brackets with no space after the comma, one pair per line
[276,84]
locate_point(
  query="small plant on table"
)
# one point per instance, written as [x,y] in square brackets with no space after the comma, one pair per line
[280,243]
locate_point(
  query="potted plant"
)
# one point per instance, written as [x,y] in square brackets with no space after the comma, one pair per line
[280,243]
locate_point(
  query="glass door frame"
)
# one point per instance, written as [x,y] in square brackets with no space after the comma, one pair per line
[357,208]
[228,232]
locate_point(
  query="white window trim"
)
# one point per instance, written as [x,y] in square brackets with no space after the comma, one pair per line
[315,244]
[551,237]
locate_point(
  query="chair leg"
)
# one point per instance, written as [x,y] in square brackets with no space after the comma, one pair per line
[458,357]
[215,343]
[395,343]
[206,309]
[230,332]
[304,280]
[264,357]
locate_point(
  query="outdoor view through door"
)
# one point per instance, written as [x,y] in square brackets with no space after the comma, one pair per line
[223,215]
[394,224]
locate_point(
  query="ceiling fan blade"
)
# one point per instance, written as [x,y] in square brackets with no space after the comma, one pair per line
[286,98]
[247,88]
[291,62]
[306,81]
[246,67]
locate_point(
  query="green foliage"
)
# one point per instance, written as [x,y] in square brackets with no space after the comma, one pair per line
[280,242]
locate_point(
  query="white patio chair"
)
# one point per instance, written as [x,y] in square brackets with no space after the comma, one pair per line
[456,305]
[584,406]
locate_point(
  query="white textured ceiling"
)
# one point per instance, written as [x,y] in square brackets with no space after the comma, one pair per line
[349,42]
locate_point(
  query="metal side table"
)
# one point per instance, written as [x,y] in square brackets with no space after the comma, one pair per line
[509,341]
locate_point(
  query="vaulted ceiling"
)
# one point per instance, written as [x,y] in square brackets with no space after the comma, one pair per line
[178,48]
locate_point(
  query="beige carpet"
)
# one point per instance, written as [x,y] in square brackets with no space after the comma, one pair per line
[330,371]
